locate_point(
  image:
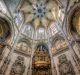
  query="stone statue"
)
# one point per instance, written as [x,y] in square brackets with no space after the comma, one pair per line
[65,66]
[18,67]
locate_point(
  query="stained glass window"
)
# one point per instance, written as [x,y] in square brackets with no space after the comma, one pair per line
[53,28]
[27,30]
[18,19]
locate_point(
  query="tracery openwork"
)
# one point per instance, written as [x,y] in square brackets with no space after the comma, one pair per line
[38,12]
[40,15]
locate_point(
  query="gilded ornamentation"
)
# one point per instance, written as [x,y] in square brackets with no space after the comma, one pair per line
[41,61]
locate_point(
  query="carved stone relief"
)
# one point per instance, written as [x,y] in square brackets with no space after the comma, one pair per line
[65,66]
[18,67]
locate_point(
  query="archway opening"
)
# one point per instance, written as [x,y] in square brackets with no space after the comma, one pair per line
[75,21]
[5,30]
[41,62]
[5,33]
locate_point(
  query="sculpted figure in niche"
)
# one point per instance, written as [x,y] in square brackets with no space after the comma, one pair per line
[65,66]
[18,67]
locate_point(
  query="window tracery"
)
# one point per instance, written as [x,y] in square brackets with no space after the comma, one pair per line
[18,18]
[40,12]
[54,29]
[28,30]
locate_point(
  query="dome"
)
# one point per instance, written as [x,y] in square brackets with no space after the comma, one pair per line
[39,37]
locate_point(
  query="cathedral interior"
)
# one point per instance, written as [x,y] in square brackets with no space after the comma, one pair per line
[39,37]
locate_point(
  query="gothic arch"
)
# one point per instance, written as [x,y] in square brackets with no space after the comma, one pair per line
[71,30]
[41,43]
[9,22]
[6,33]
[41,61]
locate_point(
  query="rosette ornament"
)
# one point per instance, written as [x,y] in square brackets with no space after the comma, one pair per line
[39,12]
